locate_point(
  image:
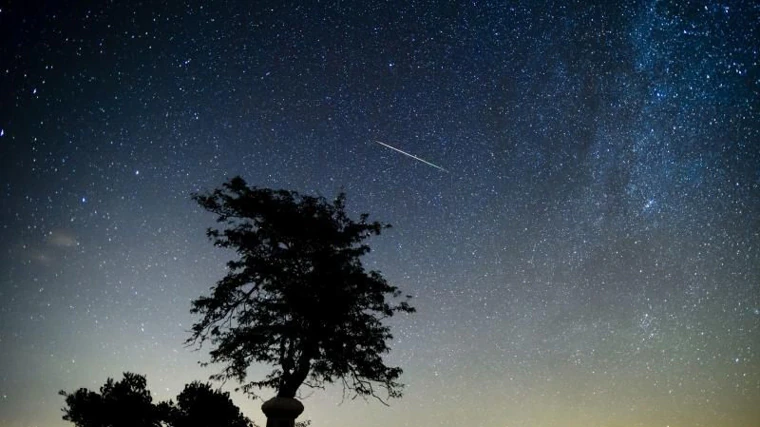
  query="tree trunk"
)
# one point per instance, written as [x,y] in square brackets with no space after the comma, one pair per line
[290,383]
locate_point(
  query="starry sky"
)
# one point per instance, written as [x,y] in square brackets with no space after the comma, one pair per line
[589,257]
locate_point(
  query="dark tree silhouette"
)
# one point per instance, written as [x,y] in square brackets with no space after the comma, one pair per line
[298,297]
[128,403]
[199,405]
[125,403]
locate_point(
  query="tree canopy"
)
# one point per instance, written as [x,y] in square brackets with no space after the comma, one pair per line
[128,403]
[297,296]
[125,403]
[199,405]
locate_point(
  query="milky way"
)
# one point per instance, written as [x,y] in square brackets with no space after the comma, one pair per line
[591,259]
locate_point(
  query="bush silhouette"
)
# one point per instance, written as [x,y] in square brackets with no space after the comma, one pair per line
[128,403]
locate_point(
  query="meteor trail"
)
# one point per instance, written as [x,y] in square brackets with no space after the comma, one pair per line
[412,156]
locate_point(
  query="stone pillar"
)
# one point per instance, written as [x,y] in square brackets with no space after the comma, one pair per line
[281,411]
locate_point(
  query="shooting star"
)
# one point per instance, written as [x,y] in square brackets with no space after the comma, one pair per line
[412,156]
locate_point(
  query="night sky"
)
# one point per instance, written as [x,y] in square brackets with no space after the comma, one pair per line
[589,257]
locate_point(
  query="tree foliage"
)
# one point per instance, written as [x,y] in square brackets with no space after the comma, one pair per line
[128,403]
[125,403]
[297,298]
[199,405]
